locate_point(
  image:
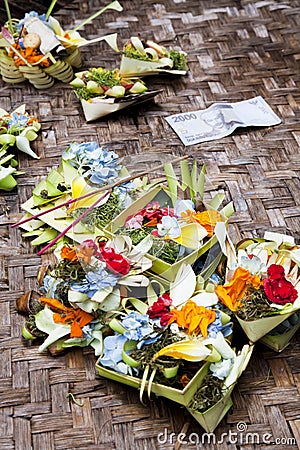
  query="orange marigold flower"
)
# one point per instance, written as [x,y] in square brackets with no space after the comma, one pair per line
[68,253]
[207,219]
[195,319]
[77,318]
[232,292]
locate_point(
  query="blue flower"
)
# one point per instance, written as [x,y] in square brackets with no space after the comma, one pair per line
[214,328]
[99,165]
[112,355]
[49,286]
[139,328]
[221,369]
[75,152]
[95,281]
[17,120]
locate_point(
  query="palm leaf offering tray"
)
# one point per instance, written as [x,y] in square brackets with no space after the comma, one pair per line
[37,49]
[145,57]
[103,92]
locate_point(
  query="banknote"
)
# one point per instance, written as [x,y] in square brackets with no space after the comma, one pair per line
[221,119]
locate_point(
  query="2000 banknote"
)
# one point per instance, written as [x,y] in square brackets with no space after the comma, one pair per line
[221,119]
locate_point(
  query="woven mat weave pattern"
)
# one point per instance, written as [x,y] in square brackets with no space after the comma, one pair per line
[236,50]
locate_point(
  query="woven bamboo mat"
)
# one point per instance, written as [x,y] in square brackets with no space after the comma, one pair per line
[236,50]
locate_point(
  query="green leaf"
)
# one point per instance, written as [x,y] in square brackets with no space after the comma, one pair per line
[45,236]
[44,322]
[97,342]
[194,176]
[68,172]
[23,145]
[8,183]
[100,296]
[172,181]
[216,201]
[185,175]
[29,133]
[114,5]
[201,182]
[7,139]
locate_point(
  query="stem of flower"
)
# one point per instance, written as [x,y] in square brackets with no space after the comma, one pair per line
[112,5]
[8,16]
[43,250]
[96,191]
[50,8]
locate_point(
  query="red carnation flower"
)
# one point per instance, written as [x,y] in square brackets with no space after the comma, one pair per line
[277,288]
[114,261]
[160,308]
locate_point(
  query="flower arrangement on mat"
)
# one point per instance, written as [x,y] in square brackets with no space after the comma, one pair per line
[145,57]
[102,92]
[73,199]
[17,129]
[174,346]
[263,283]
[82,290]
[181,225]
[37,48]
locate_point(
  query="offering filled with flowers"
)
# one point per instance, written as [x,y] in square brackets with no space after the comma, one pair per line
[181,225]
[68,194]
[263,284]
[36,47]
[83,290]
[174,347]
[144,57]
[17,129]
[103,92]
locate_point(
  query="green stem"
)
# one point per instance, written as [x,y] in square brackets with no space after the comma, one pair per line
[113,5]
[10,26]
[50,8]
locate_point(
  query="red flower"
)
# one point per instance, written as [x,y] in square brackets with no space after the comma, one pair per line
[151,214]
[114,261]
[277,288]
[160,308]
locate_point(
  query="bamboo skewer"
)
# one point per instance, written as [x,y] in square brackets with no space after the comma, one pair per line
[43,250]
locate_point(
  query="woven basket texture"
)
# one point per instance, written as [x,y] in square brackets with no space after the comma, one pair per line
[236,50]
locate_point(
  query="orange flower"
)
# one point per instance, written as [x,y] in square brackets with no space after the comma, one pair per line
[207,219]
[77,318]
[68,253]
[194,318]
[151,223]
[31,55]
[232,293]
